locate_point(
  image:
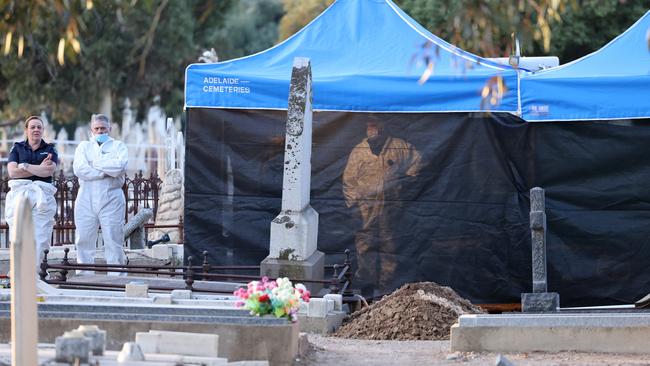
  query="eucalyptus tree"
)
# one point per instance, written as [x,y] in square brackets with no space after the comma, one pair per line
[67,57]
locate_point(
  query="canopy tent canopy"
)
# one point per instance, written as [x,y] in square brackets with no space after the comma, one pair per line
[366,56]
[611,83]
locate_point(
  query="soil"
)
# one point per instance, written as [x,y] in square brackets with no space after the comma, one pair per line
[416,311]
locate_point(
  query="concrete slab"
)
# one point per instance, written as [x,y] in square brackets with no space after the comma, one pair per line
[187,360]
[181,294]
[322,325]
[136,289]
[161,251]
[337,299]
[317,308]
[582,332]
[46,355]
[187,344]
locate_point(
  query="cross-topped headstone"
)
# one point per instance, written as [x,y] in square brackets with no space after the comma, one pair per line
[539,300]
[538,236]
[294,232]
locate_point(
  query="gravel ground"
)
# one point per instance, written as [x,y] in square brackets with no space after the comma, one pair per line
[339,351]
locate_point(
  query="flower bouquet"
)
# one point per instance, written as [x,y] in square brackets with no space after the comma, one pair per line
[278,297]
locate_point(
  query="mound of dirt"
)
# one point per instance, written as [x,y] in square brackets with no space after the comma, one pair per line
[416,311]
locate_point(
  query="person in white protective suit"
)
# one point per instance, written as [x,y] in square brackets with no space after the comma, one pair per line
[374,178]
[100,165]
[31,164]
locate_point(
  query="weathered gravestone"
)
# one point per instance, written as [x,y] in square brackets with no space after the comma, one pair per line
[134,228]
[170,206]
[294,231]
[540,300]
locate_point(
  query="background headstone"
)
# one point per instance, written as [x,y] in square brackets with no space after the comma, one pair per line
[539,300]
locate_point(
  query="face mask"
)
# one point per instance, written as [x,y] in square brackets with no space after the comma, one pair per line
[372,134]
[101,138]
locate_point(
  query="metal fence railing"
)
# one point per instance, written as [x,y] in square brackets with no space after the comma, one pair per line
[140,192]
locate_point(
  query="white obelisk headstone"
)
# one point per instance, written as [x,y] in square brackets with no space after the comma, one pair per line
[294,232]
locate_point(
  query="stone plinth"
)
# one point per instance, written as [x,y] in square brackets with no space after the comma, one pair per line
[312,268]
[294,235]
[540,302]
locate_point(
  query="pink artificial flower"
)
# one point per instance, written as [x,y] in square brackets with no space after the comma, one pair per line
[304,294]
[241,293]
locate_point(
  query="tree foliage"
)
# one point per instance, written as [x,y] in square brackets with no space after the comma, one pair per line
[485,27]
[250,26]
[593,23]
[298,13]
[565,28]
[135,49]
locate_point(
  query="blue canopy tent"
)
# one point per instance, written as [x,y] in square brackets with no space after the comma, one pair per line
[366,55]
[611,83]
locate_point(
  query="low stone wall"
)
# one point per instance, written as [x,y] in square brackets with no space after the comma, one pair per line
[277,343]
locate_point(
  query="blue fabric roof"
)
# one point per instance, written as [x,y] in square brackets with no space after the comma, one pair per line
[366,55]
[611,83]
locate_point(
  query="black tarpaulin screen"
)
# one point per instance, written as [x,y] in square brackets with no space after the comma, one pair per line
[448,202]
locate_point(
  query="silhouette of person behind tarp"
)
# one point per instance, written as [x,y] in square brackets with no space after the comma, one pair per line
[377,170]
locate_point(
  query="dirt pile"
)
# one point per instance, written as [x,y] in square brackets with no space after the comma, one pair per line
[416,311]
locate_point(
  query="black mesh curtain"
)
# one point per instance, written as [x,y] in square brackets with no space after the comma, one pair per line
[460,218]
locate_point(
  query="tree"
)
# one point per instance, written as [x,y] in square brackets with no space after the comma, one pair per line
[298,13]
[136,49]
[20,17]
[486,27]
[250,26]
[566,28]
[591,24]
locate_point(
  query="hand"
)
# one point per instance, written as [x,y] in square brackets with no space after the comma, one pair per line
[47,161]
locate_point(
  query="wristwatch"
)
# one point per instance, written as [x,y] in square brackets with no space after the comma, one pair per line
[24,166]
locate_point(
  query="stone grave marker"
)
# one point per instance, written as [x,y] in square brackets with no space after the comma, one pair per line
[294,232]
[540,300]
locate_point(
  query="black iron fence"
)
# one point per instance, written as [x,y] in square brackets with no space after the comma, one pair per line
[140,192]
[339,280]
